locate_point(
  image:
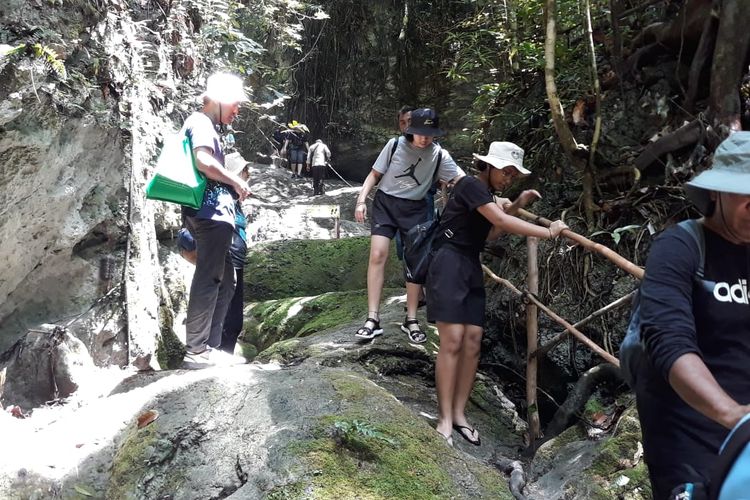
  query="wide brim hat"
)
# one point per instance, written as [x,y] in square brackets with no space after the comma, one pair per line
[730,172]
[424,121]
[235,163]
[225,88]
[504,154]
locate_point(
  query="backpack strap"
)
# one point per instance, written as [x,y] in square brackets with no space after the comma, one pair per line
[393,149]
[437,166]
[694,227]
[730,450]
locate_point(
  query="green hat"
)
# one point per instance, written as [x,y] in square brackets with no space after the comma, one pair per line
[730,172]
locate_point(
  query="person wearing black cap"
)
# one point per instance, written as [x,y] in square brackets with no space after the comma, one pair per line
[405,175]
[455,281]
[694,385]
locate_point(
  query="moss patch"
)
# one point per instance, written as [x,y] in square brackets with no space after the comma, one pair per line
[310,267]
[276,320]
[169,350]
[376,448]
[130,463]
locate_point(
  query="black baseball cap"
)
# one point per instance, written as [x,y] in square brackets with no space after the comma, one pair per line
[424,121]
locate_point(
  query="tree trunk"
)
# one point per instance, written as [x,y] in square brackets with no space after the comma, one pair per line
[589,175]
[567,140]
[732,41]
[701,58]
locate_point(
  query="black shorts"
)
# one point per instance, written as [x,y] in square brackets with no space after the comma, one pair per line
[391,214]
[455,288]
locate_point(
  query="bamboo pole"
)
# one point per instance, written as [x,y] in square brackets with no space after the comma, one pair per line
[577,334]
[627,299]
[589,245]
[532,332]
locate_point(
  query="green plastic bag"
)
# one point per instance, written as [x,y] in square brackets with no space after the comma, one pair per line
[176,178]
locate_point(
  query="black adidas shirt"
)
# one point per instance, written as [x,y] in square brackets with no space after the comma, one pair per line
[469,227]
[710,318]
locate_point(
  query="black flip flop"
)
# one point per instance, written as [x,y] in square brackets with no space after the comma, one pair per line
[460,429]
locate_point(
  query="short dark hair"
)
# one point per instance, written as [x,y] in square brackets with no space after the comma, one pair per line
[481,165]
[406,109]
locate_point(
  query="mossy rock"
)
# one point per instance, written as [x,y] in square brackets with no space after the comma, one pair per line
[374,448]
[272,321]
[295,268]
[170,352]
[620,456]
[131,465]
[610,468]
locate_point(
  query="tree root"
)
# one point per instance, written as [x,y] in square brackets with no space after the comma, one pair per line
[517,475]
[579,396]
[680,138]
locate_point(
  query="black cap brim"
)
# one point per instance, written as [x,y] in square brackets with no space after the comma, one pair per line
[427,131]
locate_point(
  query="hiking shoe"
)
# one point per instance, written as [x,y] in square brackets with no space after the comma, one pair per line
[196,361]
[369,332]
[210,357]
[223,358]
[411,328]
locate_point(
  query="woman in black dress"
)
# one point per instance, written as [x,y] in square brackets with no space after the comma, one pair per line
[455,281]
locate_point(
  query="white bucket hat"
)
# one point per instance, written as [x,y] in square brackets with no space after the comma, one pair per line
[502,154]
[730,172]
[235,163]
[225,88]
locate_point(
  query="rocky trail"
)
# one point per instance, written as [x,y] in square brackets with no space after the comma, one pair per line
[317,414]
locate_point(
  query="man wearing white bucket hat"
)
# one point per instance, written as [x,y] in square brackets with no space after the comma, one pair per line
[212,225]
[695,385]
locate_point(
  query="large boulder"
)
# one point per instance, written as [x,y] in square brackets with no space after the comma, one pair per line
[340,419]
[44,366]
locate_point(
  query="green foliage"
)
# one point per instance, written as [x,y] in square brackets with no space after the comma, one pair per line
[37,51]
[616,234]
[349,431]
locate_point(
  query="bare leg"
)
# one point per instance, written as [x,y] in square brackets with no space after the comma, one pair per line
[466,372]
[379,247]
[451,339]
[412,299]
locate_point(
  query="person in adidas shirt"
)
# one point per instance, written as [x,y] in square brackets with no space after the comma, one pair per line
[404,179]
[695,385]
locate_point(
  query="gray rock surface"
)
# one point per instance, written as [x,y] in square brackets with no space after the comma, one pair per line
[255,430]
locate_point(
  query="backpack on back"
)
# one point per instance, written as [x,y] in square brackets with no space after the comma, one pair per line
[632,349]
[297,139]
[730,477]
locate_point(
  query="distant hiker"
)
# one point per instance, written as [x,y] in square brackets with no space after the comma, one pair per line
[318,157]
[212,225]
[455,281]
[296,146]
[398,206]
[694,385]
[234,319]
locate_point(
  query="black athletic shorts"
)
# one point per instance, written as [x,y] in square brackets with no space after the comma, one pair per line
[391,214]
[455,288]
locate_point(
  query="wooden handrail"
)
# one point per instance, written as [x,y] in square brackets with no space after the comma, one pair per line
[577,334]
[626,299]
[613,256]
